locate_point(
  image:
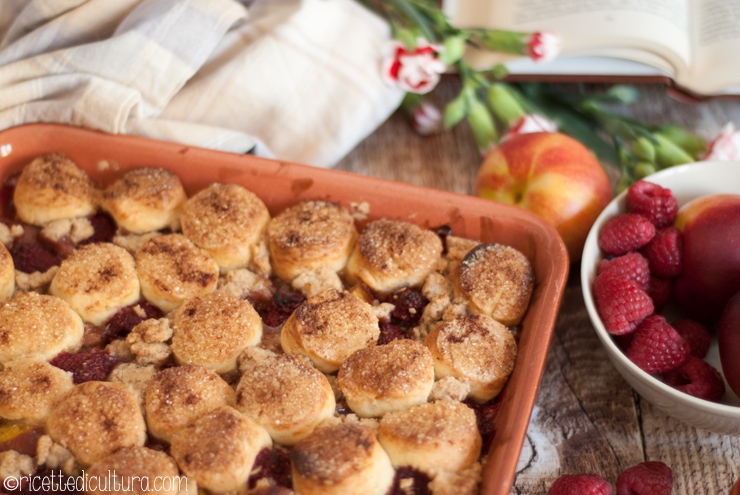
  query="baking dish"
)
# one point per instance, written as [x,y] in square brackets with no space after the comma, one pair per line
[280,184]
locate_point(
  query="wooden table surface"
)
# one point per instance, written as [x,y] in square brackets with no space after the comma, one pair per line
[586,418]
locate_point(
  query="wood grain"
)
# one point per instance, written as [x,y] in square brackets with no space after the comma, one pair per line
[586,419]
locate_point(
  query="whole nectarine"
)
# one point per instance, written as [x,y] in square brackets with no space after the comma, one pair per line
[728,341]
[552,175]
[711,255]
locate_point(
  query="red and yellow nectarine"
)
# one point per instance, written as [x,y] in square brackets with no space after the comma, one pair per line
[552,175]
[711,255]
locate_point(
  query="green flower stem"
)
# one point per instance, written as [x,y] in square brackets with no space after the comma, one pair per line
[502,41]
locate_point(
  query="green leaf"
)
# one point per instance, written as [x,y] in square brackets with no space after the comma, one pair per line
[537,99]
[454,48]
[624,94]
[413,15]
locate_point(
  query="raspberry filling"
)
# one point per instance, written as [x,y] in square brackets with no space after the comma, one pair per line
[276,310]
[121,323]
[87,365]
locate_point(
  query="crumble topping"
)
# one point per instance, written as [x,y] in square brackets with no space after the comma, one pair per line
[36,281]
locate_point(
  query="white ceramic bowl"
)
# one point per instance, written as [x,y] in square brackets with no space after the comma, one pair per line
[687,182]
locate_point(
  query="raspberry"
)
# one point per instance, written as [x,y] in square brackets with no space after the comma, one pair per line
[126,319]
[86,366]
[581,484]
[624,233]
[652,201]
[485,415]
[646,478]
[695,334]
[272,464]
[660,291]
[633,266]
[409,306]
[419,482]
[621,303]
[665,253]
[33,257]
[104,228]
[388,332]
[698,378]
[657,347]
[276,310]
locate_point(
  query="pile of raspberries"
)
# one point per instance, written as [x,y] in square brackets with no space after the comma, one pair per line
[634,282]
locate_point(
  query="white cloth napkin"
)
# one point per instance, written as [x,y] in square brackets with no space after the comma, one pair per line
[295,79]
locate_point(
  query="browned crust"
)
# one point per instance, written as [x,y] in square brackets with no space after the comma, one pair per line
[53,187]
[97,418]
[309,235]
[331,455]
[390,254]
[178,396]
[496,280]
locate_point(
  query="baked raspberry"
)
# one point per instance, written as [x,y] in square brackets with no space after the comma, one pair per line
[581,484]
[485,415]
[409,304]
[276,310]
[621,303]
[272,464]
[33,257]
[698,378]
[657,347]
[665,253]
[624,233]
[660,291]
[419,482]
[86,366]
[646,478]
[695,334]
[633,266]
[104,228]
[125,319]
[652,201]
[388,332]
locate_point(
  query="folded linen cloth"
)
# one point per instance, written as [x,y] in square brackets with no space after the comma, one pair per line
[294,79]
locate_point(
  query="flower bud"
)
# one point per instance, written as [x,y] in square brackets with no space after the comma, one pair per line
[426,119]
[667,154]
[455,111]
[504,104]
[482,125]
[454,48]
[643,169]
[691,143]
[726,146]
[543,46]
[643,149]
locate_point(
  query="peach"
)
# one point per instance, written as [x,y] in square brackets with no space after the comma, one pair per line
[711,256]
[552,175]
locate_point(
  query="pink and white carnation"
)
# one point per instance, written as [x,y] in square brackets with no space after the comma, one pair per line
[530,123]
[726,146]
[414,71]
[426,119]
[543,46]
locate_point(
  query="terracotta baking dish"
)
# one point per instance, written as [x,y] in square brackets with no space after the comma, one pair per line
[281,184]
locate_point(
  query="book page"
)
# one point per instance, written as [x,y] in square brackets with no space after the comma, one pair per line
[716,44]
[659,28]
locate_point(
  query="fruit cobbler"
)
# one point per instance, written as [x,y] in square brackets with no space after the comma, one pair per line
[150,333]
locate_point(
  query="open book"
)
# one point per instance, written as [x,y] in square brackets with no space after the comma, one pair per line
[695,44]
